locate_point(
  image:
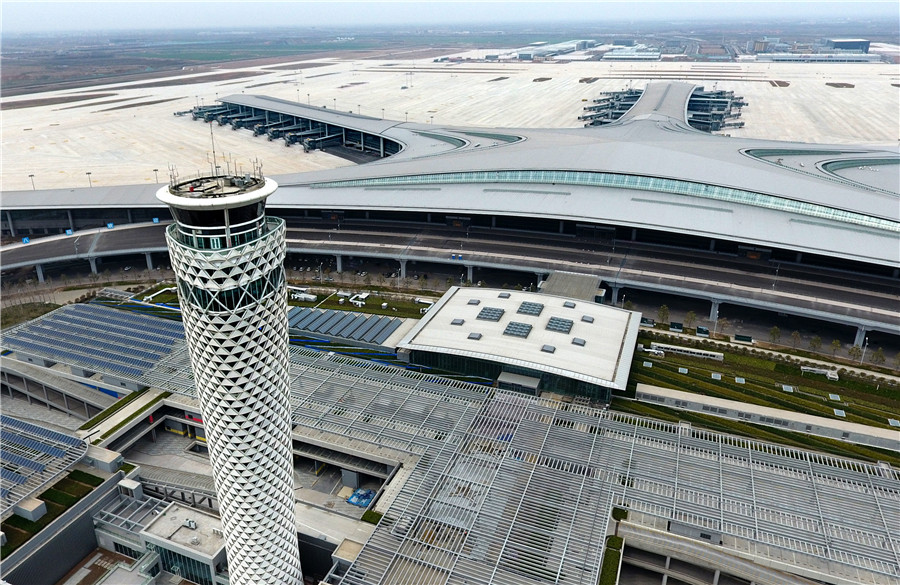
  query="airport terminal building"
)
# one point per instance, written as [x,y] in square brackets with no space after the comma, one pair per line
[476,484]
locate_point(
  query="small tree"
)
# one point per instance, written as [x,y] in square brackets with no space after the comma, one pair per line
[835,346]
[815,343]
[774,334]
[855,353]
[878,357]
[628,306]
[897,360]
[795,339]
[689,319]
[723,325]
[662,315]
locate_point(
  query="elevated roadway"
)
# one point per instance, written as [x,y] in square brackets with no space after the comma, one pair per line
[867,303]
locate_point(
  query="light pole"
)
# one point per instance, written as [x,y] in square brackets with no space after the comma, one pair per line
[307,100]
[407,116]
[31,176]
[865,347]
[382,113]
[334,103]
[156,175]
[90,183]
[358,109]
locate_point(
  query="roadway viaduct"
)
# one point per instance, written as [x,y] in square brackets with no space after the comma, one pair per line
[868,303]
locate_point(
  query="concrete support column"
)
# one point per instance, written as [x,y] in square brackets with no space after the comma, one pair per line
[428,217]
[896,273]
[860,336]
[633,234]
[714,311]
[381,146]
[493,221]
[130,217]
[712,245]
[540,277]
[93,262]
[615,294]
[9,222]
[716,577]
[340,263]
[149,260]
[71,220]
[367,214]
[350,478]
[40,272]
[561,226]
[799,257]
[403,268]
[470,272]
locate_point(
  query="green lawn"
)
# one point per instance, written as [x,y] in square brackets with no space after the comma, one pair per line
[63,494]
[864,400]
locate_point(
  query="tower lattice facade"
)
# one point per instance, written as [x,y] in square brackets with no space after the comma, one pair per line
[228,259]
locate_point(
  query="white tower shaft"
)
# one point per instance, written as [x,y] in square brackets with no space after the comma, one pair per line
[234,306]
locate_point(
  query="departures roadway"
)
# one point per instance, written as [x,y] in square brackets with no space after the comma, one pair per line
[852,299]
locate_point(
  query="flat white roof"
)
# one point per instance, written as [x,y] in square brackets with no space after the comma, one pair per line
[596,349]
[170,526]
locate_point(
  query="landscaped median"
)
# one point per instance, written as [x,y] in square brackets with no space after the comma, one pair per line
[612,556]
[109,432]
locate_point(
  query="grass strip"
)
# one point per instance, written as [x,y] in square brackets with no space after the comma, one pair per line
[140,411]
[113,408]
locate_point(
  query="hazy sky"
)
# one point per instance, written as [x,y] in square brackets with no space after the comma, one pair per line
[36,15]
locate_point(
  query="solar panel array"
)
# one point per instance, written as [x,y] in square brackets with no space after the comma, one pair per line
[32,457]
[344,324]
[98,338]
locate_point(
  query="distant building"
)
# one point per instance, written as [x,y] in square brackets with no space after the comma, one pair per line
[861,45]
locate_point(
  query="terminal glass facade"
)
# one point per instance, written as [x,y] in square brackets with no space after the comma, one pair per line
[470,366]
[637,182]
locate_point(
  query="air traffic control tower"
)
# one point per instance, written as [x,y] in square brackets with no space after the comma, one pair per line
[228,259]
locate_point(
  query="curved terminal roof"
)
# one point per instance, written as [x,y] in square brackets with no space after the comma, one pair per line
[647,170]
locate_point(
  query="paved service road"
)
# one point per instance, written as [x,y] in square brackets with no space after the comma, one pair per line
[790,288]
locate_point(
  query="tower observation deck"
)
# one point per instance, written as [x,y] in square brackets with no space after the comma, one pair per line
[228,260]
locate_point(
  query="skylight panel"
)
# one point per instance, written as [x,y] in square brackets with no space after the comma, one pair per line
[516,329]
[529,308]
[559,324]
[490,314]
